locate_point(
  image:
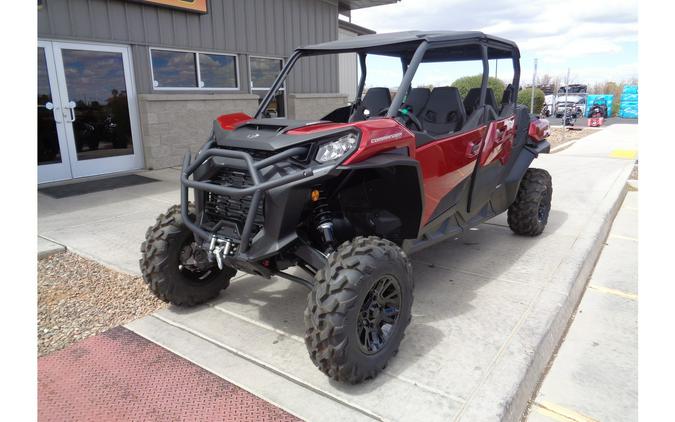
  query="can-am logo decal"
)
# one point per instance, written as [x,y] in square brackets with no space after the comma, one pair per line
[252,135]
[198,6]
[386,138]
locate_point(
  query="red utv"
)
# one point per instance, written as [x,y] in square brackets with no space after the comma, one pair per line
[347,198]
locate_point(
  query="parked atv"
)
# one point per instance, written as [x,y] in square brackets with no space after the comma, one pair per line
[599,108]
[348,198]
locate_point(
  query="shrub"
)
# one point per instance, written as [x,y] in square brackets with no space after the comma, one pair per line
[525,95]
[467,82]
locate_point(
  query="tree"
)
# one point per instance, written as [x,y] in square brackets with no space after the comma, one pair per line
[525,96]
[465,83]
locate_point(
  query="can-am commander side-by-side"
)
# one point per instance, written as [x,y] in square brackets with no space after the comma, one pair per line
[346,198]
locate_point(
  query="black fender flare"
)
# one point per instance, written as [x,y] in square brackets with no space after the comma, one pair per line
[406,191]
[527,154]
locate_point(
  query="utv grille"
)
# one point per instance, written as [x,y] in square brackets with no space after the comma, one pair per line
[233,209]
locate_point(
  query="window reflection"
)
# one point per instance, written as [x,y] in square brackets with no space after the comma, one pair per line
[174,69]
[218,71]
[264,71]
[96,83]
[48,140]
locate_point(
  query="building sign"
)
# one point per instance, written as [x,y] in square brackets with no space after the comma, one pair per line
[197,6]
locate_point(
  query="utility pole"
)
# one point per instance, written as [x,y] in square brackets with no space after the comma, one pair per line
[567,87]
[534,81]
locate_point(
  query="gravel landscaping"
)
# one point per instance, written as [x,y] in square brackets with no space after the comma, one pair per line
[556,137]
[78,298]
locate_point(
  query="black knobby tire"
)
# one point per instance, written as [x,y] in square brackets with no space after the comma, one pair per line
[160,261]
[528,214]
[336,303]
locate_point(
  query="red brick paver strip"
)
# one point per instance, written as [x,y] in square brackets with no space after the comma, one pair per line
[120,376]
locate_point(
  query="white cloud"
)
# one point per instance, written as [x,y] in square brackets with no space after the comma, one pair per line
[560,34]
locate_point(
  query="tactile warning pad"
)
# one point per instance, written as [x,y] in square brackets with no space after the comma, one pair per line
[120,376]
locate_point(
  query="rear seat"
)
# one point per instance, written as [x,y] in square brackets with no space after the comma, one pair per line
[444,112]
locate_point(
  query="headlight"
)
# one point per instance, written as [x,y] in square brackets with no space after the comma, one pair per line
[339,148]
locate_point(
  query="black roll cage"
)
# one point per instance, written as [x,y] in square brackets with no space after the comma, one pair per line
[409,69]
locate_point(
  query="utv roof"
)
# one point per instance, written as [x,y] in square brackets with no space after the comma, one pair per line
[443,45]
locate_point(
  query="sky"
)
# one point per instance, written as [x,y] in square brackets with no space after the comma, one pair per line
[596,40]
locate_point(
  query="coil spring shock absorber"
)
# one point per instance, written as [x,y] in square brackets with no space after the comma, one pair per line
[323,217]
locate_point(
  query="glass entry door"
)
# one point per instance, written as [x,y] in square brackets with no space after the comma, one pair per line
[53,163]
[87,120]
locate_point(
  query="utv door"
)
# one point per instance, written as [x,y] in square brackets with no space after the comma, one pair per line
[447,166]
[493,160]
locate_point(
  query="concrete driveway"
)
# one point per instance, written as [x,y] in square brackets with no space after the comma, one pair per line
[489,308]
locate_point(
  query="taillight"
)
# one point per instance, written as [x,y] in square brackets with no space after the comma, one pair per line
[539,129]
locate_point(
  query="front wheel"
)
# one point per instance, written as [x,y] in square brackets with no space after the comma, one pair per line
[358,309]
[528,214]
[175,268]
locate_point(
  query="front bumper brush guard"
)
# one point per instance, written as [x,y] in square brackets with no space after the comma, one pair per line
[258,188]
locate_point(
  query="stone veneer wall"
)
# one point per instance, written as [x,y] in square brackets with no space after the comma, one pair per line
[172,123]
[313,106]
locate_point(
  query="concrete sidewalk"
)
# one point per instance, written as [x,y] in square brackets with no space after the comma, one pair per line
[109,226]
[489,308]
[594,375]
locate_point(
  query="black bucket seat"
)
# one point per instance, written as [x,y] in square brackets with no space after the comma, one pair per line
[375,101]
[417,99]
[444,112]
[472,100]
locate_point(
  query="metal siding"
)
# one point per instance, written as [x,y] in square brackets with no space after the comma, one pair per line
[348,70]
[230,30]
[99,20]
[118,21]
[246,27]
[80,19]
[217,14]
[134,19]
[194,34]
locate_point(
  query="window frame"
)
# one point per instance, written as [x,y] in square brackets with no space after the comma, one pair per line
[250,79]
[199,86]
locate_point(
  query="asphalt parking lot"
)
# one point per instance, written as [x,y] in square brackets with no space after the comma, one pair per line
[584,121]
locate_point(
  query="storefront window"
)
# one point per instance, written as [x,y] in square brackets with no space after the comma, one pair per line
[263,72]
[193,70]
[174,69]
[218,71]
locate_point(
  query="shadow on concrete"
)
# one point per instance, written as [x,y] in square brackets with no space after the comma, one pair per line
[444,289]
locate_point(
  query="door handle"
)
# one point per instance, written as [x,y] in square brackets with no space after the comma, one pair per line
[71,110]
[54,109]
[472,149]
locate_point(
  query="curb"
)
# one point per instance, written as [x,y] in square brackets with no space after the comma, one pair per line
[558,323]
[47,248]
[564,146]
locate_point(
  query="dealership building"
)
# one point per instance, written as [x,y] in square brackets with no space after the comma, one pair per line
[125,85]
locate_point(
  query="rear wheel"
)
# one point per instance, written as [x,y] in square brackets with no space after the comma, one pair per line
[528,214]
[358,309]
[174,268]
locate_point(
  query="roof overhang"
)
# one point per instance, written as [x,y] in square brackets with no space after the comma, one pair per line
[351,27]
[344,5]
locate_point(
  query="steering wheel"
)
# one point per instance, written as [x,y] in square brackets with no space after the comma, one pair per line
[409,117]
